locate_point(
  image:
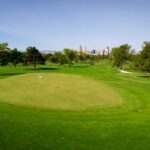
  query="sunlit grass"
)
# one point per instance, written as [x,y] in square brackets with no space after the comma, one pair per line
[119,127]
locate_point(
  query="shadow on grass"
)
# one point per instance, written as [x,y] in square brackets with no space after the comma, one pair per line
[44,69]
[144,76]
[79,66]
[9,74]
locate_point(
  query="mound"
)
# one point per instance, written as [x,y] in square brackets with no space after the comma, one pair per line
[57,91]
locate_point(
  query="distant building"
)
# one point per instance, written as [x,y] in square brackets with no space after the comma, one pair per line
[80,48]
[93,51]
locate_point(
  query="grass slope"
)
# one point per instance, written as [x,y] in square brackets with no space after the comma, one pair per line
[111,128]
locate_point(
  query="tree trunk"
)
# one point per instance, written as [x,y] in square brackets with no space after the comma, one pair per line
[121,67]
[34,66]
[149,72]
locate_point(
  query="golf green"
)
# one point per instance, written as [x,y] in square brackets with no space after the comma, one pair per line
[57,91]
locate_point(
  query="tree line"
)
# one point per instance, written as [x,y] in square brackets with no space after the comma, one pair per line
[30,56]
[124,54]
[119,57]
[33,56]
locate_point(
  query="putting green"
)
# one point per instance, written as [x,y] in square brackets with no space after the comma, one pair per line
[57,91]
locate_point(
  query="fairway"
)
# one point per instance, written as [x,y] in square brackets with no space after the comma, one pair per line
[57,91]
[73,108]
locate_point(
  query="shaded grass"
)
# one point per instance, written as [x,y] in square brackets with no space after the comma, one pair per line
[43,69]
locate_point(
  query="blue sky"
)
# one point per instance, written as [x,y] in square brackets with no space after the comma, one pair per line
[56,24]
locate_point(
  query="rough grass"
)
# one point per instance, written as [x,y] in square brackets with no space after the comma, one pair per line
[111,128]
[57,91]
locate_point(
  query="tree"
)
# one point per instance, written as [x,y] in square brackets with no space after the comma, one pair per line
[47,57]
[82,56]
[104,54]
[120,55]
[58,57]
[136,61]
[71,55]
[92,59]
[33,56]
[145,57]
[15,57]
[98,56]
[108,52]
[4,54]
[4,47]
[4,58]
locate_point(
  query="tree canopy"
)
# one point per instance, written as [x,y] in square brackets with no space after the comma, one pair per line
[71,55]
[4,47]
[120,55]
[145,57]
[4,54]
[58,57]
[33,56]
[15,57]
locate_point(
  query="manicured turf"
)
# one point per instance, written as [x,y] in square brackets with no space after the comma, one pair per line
[57,91]
[117,121]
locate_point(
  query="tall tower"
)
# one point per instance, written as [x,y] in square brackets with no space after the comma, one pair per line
[108,51]
[80,48]
[85,48]
[104,54]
